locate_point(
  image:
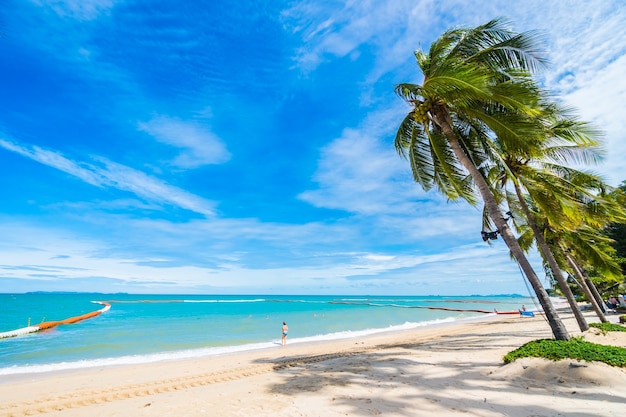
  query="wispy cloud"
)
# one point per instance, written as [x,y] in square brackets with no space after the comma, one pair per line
[356,173]
[360,171]
[78,9]
[585,41]
[199,145]
[143,74]
[111,174]
[83,262]
[341,32]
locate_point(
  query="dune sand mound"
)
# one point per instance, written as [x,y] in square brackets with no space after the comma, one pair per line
[594,335]
[542,372]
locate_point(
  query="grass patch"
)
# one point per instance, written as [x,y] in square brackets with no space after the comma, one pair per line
[608,327]
[576,348]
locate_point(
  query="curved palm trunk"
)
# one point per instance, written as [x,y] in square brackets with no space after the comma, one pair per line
[549,257]
[596,295]
[581,278]
[558,328]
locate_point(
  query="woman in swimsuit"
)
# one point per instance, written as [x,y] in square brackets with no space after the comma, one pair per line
[284,336]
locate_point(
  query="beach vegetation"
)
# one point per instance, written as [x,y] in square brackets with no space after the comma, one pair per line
[477,89]
[575,348]
[609,327]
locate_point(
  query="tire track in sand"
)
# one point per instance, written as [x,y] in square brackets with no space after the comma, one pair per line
[82,398]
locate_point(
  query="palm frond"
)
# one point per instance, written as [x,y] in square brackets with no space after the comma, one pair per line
[409,143]
[409,92]
[496,46]
[591,247]
[450,177]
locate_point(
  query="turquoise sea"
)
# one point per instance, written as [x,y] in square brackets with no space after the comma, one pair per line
[149,328]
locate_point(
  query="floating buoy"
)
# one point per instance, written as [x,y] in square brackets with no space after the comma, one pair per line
[49,324]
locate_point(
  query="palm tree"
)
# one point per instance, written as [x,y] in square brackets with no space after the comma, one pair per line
[536,175]
[589,246]
[588,243]
[617,230]
[478,79]
[584,243]
[548,257]
[558,258]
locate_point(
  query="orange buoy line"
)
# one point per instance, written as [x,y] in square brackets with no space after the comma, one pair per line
[50,324]
[461,310]
[472,310]
[143,301]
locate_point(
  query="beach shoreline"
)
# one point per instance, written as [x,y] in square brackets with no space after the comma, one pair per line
[156,328]
[453,368]
[26,373]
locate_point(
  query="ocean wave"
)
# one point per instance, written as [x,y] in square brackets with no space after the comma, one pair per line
[211,351]
[132,359]
[255,300]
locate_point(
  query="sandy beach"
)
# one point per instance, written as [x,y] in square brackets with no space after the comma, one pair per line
[447,370]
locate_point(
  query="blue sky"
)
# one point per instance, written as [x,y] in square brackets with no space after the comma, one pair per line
[247,147]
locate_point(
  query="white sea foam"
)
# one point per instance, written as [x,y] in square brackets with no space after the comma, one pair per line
[255,300]
[360,333]
[133,359]
[209,351]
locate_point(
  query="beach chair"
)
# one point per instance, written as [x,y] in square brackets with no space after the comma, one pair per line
[610,308]
[523,313]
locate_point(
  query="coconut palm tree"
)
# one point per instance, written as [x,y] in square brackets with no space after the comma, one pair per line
[617,230]
[584,244]
[590,245]
[558,259]
[537,175]
[548,257]
[476,78]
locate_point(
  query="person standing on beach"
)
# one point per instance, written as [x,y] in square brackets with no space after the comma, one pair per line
[284,335]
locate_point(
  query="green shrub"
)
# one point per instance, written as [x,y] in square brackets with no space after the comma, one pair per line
[576,348]
[608,327]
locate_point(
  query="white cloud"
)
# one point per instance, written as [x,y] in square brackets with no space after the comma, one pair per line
[588,55]
[355,173]
[585,42]
[199,145]
[152,189]
[58,161]
[78,9]
[62,257]
[358,172]
[361,172]
[117,176]
[600,101]
[343,30]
